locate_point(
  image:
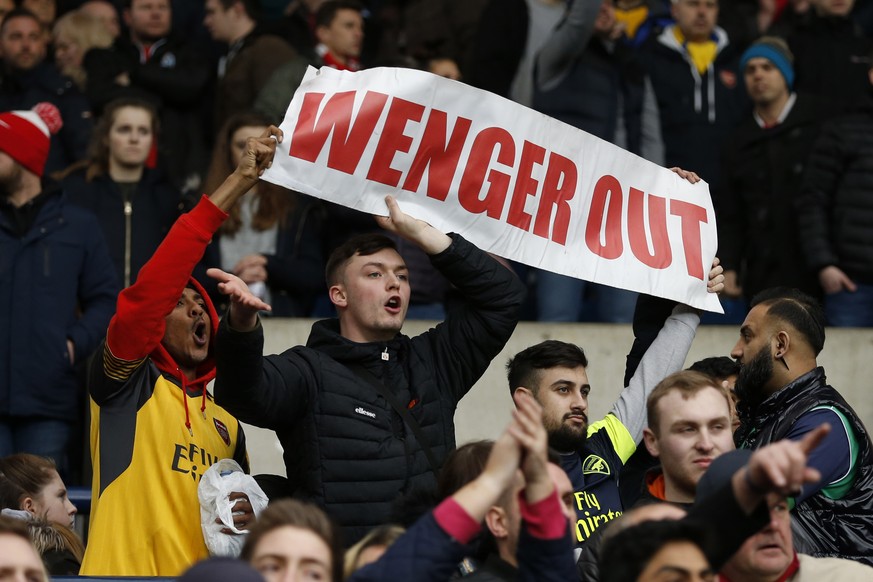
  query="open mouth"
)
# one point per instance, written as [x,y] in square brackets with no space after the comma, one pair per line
[393,304]
[200,337]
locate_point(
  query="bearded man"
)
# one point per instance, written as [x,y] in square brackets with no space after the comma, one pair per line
[784,394]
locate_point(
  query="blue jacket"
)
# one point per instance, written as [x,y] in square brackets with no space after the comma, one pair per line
[426,553]
[57,282]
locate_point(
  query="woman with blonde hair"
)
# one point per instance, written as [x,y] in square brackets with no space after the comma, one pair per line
[370,547]
[74,34]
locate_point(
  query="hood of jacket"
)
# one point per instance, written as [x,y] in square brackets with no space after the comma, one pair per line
[669,40]
[206,370]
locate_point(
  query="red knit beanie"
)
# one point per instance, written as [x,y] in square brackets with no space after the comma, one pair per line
[26,135]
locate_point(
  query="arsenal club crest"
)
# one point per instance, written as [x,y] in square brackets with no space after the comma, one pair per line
[222,431]
[728,78]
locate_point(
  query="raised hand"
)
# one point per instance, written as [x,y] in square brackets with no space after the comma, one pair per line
[257,157]
[686,175]
[417,231]
[244,305]
[258,153]
[527,428]
[715,284]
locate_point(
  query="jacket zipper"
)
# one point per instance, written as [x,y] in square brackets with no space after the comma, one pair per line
[128,214]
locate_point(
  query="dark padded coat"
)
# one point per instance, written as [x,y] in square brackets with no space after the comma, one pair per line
[345,447]
[835,206]
[820,526]
[757,223]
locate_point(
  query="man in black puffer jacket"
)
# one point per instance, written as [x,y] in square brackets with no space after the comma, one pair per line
[835,210]
[784,394]
[346,447]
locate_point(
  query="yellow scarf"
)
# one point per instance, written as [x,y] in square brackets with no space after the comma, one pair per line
[702,53]
[632,19]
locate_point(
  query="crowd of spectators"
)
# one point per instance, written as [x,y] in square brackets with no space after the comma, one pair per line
[119,114]
[679,82]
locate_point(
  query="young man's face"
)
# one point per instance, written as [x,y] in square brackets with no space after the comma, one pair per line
[148,20]
[696,18]
[764,83]
[217,21]
[373,296]
[345,34]
[691,433]
[292,553]
[768,553]
[678,561]
[563,394]
[19,561]
[22,43]
[189,329]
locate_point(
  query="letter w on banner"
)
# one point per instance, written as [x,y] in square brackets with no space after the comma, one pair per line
[513,181]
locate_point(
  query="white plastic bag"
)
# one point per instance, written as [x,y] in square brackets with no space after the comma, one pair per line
[216,485]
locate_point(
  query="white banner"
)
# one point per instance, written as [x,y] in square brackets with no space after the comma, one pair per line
[513,181]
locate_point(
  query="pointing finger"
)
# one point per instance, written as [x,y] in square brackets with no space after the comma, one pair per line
[813,438]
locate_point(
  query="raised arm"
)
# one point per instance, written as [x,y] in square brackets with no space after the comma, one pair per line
[666,355]
[568,41]
[138,325]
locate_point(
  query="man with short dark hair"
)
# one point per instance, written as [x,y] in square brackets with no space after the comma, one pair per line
[362,411]
[784,395]
[339,27]
[593,455]
[155,430]
[29,78]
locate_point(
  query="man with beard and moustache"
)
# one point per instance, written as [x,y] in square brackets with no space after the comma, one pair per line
[784,394]
[57,291]
[554,373]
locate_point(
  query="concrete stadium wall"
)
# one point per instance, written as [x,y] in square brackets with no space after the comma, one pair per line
[485,410]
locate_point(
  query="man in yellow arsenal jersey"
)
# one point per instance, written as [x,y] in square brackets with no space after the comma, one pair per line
[154,428]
